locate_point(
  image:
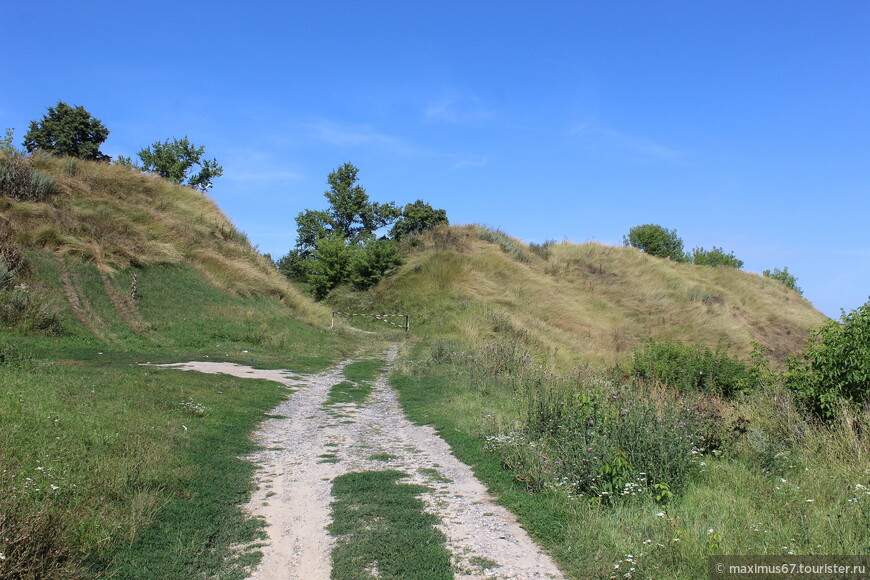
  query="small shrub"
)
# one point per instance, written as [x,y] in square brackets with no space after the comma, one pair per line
[501,357]
[835,367]
[7,146]
[690,368]
[655,240]
[785,277]
[543,249]
[715,257]
[376,260]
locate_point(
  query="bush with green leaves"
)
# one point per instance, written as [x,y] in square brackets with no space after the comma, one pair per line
[785,277]
[67,130]
[417,218]
[372,262]
[174,160]
[329,265]
[715,257]
[835,367]
[656,241]
[690,367]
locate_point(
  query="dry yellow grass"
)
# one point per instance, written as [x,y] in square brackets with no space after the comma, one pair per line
[591,303]
[118,218]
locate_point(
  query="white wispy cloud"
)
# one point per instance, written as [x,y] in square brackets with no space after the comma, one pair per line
[458,110]
[359,135]
[253,165]
[597,135]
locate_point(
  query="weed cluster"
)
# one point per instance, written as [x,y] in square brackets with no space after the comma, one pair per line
[690,368]
[32,527]
[20,181]
[543,249]
[509,245]
[590,437]
[22,308]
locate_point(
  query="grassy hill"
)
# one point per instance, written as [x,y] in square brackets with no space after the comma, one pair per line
[583,304]
[110,467]
[129,261]
[113,468]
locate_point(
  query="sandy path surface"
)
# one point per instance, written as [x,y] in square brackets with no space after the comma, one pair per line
[310,445]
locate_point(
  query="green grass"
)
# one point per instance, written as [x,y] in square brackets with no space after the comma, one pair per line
[328,458]
[382,457]
[433,474]
[786,486]
[348,392]
[144,463]
[382,531]
[364,371]
[135,471]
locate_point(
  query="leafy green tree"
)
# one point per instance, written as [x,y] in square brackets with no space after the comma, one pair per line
[174,160]
[715,257]
[835,367]
[350,216]
[6,145]
[67,130]
[329,265]
[126,162]
[785,277]
[416,218]
[656,241]
[376,260]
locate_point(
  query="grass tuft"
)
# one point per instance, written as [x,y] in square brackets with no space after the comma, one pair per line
[382,530]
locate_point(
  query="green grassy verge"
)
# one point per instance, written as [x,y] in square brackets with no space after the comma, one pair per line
[783,487]
[382,530]
[364,371]
[141,466]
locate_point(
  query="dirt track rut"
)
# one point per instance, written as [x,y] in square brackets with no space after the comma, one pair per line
[307,446]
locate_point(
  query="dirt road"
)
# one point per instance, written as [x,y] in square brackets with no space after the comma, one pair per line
[310,445]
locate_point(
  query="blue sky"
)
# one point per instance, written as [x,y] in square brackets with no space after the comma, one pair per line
[741,124]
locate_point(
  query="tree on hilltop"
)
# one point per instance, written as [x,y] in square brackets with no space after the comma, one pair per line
[416,218]
[351,216]
[173,160]
[656,241]
[67,130]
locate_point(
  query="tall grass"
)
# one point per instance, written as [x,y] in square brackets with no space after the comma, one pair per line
[669,477]
[118,218]
[584,304]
